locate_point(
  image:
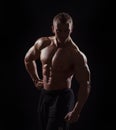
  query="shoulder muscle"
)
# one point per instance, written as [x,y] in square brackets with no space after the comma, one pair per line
[34,52]
[42,43]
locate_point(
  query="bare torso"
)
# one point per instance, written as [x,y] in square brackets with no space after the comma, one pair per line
[57,67]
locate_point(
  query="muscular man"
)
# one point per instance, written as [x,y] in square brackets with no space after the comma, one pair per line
[61,60]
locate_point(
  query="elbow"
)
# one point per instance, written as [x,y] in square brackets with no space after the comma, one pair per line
[26,60]
[89,88]
[88,84]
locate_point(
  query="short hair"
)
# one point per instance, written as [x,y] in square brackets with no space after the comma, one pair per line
[63,18]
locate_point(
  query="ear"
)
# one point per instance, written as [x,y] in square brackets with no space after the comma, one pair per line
[52,29]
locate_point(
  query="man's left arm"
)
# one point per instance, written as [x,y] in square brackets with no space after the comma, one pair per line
[83,77]
[82,74]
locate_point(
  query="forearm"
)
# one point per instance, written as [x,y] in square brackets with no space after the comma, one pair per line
[83,94]
[32,70]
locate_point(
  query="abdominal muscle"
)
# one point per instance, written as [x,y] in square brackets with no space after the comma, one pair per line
[56,80]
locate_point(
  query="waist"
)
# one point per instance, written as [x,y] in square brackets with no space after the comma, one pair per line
[56,91]
[56,85]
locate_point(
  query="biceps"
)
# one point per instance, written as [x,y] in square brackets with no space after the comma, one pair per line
[32,54]
[83,74]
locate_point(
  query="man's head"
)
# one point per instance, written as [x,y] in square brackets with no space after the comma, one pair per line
[62,26]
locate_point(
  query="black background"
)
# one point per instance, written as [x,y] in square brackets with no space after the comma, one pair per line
[22,22]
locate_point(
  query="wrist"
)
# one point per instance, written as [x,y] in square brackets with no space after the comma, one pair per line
[76,112]
[77,108]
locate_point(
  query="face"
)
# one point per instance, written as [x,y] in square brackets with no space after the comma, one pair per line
[62,31]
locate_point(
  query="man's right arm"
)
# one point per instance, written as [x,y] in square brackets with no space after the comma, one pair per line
[30,60]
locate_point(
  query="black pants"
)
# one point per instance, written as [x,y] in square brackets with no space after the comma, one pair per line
[52,108]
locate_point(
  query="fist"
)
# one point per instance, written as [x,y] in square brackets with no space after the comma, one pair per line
[38,84]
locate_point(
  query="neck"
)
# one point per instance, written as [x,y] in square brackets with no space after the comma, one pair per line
[62,44]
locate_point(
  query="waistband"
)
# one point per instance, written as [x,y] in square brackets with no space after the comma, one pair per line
[55,92]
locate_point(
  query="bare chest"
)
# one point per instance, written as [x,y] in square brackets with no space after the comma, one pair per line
[57,58]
